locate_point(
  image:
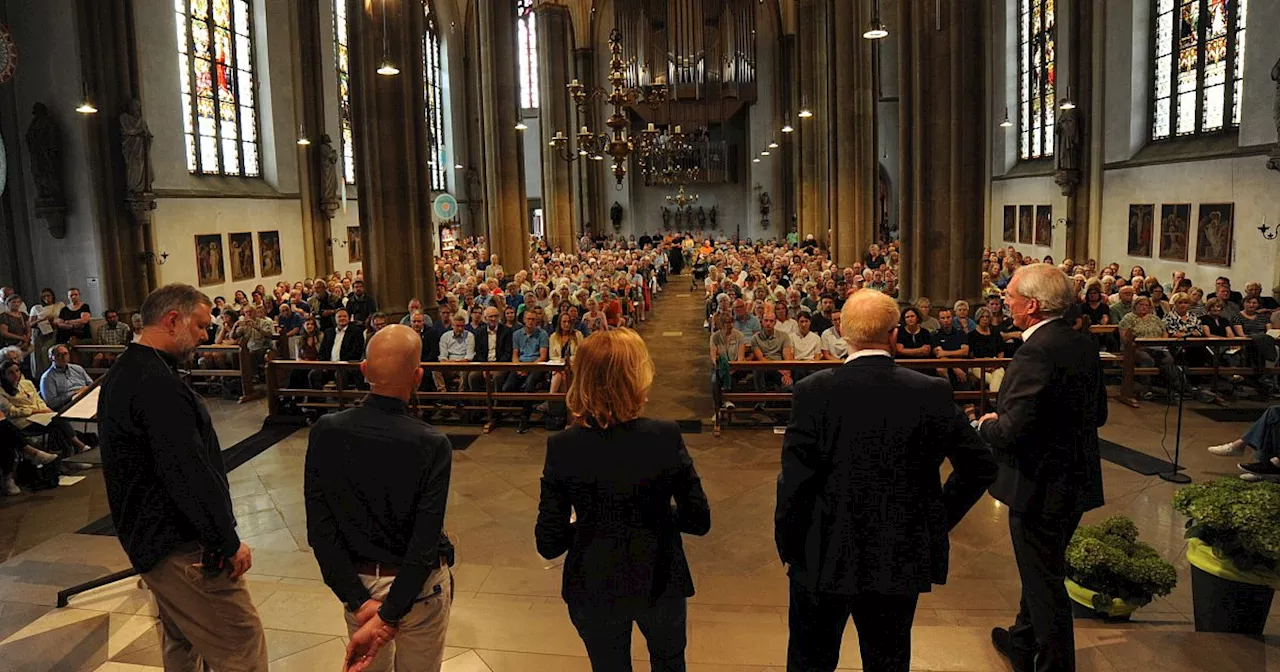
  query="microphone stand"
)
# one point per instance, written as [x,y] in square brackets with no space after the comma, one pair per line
[1174,475]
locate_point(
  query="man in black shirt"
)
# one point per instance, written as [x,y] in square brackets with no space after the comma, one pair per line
[168,493]
[360,305]
[376,484]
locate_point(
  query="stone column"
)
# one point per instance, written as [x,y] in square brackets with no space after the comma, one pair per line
[1080,79]
[852,128]
[783,104]
[943,137]
[590,211]
[554,31]
[819,126]
[505,199]
[308,99]
[109,65]
[392,151]
[804,134]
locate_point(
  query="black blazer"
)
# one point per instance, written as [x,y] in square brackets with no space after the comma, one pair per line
[1052,402]
[861,506]
[625,544]
[352,348]
[505,347]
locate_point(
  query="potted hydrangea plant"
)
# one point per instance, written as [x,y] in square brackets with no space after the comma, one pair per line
[1110,574]
[1234,551]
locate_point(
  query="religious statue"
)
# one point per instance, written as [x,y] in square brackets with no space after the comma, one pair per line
[702,217]
[135,146]
[44,143]
[712,216]
[1068,152]
[1274,162]
[766,204]
[666,218]
[328,158]
[615,215]
[135,142]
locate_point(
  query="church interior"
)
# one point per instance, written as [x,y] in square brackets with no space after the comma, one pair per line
[451,156]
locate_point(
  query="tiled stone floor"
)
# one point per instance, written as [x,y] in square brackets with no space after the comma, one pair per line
[508,616]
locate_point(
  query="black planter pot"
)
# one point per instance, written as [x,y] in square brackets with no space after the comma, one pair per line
[1222,605]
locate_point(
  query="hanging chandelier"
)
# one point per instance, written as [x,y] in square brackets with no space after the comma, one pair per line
[682,199]
[615,143]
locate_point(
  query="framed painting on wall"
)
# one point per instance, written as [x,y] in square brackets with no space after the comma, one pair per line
[1044,225]
[269,248]
[240,246]
[1175,229]
[1213,235]
[209,266]
[1025,216]
[355,245]
[1010,223]
[1141,227]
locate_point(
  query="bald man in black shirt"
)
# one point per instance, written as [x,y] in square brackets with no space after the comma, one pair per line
[376,484]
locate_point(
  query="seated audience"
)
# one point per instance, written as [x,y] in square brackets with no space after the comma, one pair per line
[727,345]
[1142,323]
[949,342]
[73,320]
[771,345]
[927,321]
[23,401]
[914,342]
[530,344]
[112,332]
[456,345]
[1263,437]
[64,380]
[834,347]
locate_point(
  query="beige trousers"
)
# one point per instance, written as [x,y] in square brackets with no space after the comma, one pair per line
[419,643]
[208,622]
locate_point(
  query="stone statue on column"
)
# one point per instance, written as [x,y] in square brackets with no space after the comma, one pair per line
[135,146]
[666,218]
[328,158]
[1274,161]
[702,217]
[1067,152]
[713,215]
[44,142]
[615,215]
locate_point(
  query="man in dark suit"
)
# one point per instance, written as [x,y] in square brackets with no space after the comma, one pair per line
[1045,439]
[493,341]
[862,518]
[343,343]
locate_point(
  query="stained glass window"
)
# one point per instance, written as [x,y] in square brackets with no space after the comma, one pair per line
[1198,66]
[346,138]
[219,91]
[1037,79]
[434,92]
[527,49]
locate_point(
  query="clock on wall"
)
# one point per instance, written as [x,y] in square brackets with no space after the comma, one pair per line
[8,54]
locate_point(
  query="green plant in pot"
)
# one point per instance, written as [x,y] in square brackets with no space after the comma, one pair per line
[1234,551]
[1110,574]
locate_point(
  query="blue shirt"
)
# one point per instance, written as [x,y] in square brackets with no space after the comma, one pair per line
[952,341]
[530,345]
[57,387]
[748,327]
[288,324]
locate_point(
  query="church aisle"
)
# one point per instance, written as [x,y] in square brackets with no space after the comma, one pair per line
[678,344]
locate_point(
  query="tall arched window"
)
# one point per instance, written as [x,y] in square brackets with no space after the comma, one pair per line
[219,98]
[434,92]
[1037,40]
[527,50]
[346,137]
[1199,66]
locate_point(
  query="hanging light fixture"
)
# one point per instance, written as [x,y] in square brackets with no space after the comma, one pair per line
[521,126]
[86,105]
[773,144]
[458,166]
[387,68]
[787,128]
[755,160]
[1006,123]
[764,153]
[876,30]
[303,141]
[805,113]
[1066,102]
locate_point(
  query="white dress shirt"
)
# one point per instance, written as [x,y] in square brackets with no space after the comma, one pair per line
[1026,334]
[335,355]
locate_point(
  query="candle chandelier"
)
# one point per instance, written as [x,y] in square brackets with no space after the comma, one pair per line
[682,199]
[615,143]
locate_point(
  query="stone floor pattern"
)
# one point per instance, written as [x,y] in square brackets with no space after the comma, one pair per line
[508,616]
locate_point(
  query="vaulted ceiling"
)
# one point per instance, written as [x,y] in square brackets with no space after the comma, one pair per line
[580,10]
